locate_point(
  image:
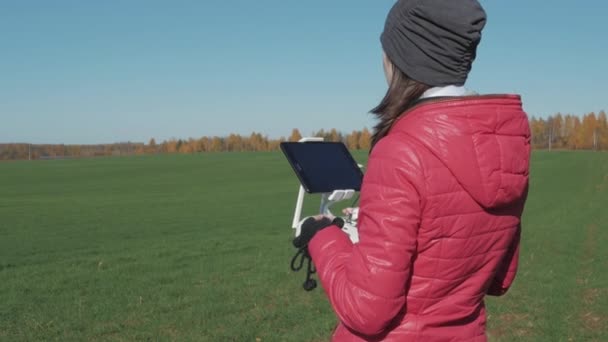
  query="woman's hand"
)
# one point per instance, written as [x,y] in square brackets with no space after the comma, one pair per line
[309,228]
[312,225]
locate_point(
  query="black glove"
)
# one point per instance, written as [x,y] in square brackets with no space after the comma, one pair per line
[311,226]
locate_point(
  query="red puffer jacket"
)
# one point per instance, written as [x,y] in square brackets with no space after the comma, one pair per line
[439,224]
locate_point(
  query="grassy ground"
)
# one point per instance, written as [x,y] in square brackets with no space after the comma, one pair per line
[196,248]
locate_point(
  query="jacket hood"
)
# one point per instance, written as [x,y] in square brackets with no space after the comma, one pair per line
[483,140]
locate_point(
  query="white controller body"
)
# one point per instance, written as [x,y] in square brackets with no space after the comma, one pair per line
[350,225]
[350,221]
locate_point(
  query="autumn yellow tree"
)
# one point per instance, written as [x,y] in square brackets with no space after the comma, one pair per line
[602,123]
[538,128]
[352,140]
[273,145]
[186,146]
[295,135]
[171,146]
[558,131]
[234,142]
[216,145]
[204,144]
[575,140]
[151,148]
[334,135]
[365,139]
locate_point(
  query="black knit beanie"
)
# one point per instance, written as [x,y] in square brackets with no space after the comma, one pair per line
[434,41]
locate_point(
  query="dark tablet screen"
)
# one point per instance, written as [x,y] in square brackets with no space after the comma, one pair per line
[323,166]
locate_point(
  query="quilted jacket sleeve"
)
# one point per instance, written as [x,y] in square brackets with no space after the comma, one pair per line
[366,282]
[507,269]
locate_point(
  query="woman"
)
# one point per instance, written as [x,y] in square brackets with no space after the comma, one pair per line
[442,198]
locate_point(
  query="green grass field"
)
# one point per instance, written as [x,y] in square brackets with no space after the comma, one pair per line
[197,248]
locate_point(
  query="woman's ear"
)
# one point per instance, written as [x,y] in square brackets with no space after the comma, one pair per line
[388,68]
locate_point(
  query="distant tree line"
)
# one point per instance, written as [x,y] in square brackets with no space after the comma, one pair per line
[570,132]
[589,132]
[255,142]
[50,151]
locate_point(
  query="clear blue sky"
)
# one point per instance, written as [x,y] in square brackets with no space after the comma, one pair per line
[107,71]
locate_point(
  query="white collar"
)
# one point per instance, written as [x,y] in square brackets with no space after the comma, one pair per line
[450,90]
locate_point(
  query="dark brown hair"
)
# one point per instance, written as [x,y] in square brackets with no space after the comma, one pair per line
[402,93]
